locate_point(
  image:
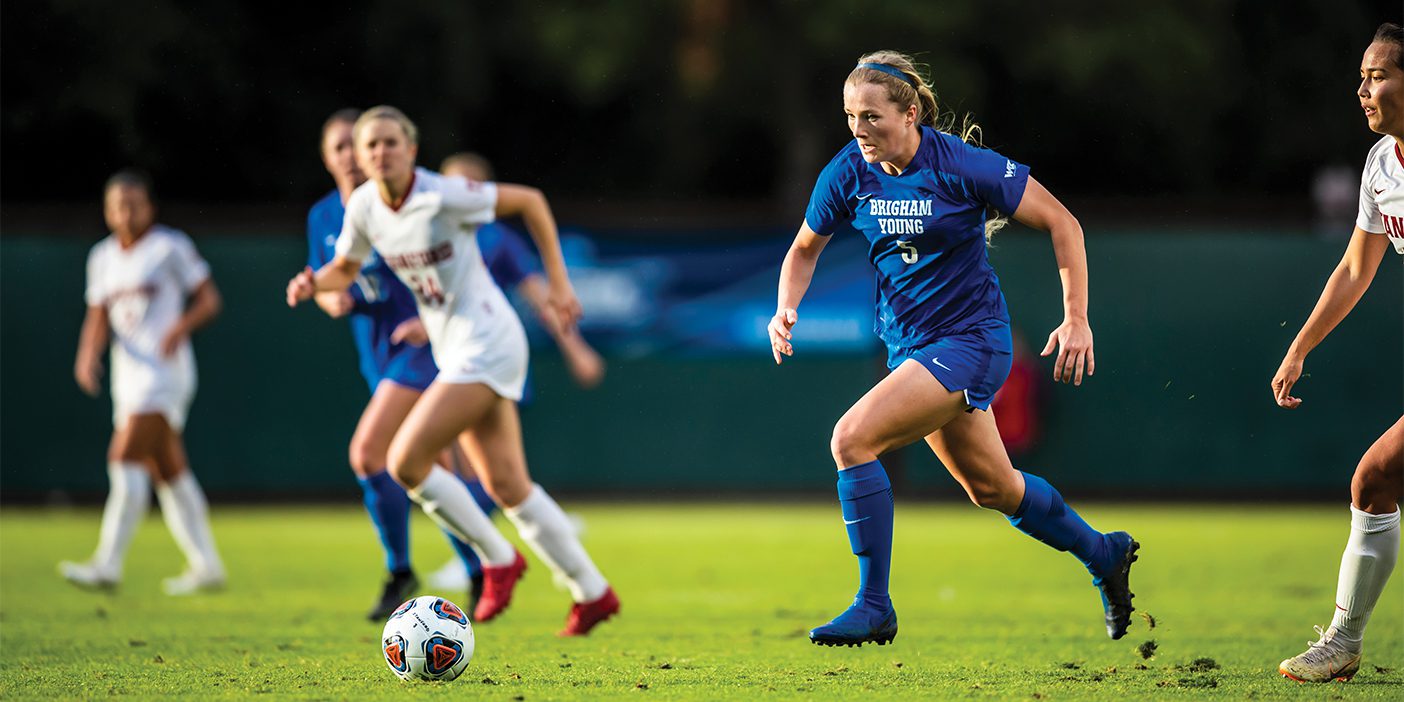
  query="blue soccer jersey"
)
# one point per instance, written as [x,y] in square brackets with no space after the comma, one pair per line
[382,302]
[926,233]
[507,256]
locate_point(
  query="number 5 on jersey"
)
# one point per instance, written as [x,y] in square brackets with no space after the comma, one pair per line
[909,252]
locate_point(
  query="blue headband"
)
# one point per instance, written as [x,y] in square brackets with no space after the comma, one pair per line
[884,68]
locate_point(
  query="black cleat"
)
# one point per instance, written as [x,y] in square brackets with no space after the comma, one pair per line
[1116,585]
[398,588]
[475,592]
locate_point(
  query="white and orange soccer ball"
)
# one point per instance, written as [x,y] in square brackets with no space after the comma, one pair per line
[427,638]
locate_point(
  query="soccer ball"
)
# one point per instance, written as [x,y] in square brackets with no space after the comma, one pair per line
[427,638]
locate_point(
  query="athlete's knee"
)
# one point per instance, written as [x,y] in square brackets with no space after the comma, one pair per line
[508,492]
[848,446]
[1376,482]
[367,456]
[407,463]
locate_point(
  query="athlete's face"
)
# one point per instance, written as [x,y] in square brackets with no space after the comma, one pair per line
[384,152]
[128,211]
[1382,89]
[883,129]
[339,155]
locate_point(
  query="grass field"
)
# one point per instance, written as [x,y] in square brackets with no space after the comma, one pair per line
[716,603]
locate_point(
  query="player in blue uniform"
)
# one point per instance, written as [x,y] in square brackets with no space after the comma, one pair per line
[919,196]
[396,363]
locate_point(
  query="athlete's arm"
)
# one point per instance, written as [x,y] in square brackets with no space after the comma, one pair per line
[530,204]
[87,368]
[338,274]
[1073,338]
[583,361]
[795,274]
[205,305]
[1343,289]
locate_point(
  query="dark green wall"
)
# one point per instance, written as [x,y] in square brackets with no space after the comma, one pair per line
[1189,330]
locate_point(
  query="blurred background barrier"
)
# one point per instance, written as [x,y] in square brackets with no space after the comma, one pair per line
[1189,325]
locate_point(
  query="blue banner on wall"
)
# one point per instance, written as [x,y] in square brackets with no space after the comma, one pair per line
[707,297]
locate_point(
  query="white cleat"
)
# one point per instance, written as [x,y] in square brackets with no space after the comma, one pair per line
[1326,659]
[191,582]
[88,575]
[453,576]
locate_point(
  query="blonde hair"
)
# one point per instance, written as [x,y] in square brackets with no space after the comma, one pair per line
[385,112]
[915,90]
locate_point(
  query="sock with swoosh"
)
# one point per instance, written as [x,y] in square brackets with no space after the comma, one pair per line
[1044,516]
[865,494]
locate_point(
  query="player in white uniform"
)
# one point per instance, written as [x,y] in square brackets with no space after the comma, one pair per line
[1378,483]
[423,226]
[148,289]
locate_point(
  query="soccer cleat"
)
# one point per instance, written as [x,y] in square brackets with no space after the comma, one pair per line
[398,588]
[1115,586]
[1326,659]
[88,576]
[585,615]
[498,582]
[191,582]
[857,625]
[453,576]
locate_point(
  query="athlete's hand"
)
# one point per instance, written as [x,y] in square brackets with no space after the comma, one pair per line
[302,287]
[336,304]
[410,331]
[780,334]
[563,302]
[1073,339]
[171,341]
[87,370]
[1287,375]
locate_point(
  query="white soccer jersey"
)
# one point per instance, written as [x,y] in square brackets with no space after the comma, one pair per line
[430,242]
[1382,193]
[144,290]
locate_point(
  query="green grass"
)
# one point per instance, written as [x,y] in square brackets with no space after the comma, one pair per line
[716,602]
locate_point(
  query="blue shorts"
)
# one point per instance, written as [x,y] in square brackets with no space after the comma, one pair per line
[976,361]
[410,366]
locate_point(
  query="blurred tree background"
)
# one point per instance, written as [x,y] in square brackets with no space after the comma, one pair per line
[683,101]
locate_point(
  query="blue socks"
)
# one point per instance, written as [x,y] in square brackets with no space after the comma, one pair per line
[388,506]
[865,494]
[1044,516]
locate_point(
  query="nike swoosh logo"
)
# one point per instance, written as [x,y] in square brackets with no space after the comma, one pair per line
[1377,192]
[941,364]
[855,521]
[864,197]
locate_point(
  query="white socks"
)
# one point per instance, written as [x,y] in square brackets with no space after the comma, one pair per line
[446,500]
[187,517]
[128,496]
[1369,557]
[546,528]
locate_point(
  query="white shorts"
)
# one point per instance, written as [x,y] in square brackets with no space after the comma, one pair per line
[501,365]
[139,388]
[171,403]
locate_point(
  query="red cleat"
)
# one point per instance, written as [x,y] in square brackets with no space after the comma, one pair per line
[585,615]
[497,589]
